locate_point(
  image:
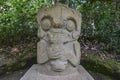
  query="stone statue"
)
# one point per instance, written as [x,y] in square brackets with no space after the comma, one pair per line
[58,52]
[58,32]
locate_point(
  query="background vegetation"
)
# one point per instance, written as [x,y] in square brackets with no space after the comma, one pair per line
[100,28]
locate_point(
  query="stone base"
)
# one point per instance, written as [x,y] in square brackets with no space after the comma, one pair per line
[38,73]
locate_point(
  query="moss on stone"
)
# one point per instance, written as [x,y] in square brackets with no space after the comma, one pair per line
[106,67]
[19,62]
[17,65]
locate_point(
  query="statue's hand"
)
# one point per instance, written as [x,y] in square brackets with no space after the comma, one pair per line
[53,53]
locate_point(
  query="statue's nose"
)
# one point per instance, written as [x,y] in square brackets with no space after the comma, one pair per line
[57,24]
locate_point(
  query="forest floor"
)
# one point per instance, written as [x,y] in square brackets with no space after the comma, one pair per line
[14,75]
[20,50]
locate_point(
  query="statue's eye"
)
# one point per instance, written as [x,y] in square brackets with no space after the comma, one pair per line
[46,24]
[70,25]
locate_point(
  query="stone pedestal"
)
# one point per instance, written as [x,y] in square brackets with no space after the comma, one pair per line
[37,72]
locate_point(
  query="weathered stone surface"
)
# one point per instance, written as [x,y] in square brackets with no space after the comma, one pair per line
[58,52]
[59,30]
[38,72]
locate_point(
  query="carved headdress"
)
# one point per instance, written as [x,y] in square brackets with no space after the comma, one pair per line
[56,15]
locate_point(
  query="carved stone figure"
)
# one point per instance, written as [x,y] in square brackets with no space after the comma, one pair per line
[59,30]
[58,52]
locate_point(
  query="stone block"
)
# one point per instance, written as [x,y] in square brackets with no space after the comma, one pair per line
[37,72]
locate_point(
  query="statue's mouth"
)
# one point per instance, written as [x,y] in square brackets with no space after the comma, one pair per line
[58,65]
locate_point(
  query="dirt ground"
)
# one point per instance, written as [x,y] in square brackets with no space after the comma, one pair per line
[13,76]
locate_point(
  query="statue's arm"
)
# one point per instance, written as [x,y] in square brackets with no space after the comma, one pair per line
[74,56]
[77,51]
[42,56]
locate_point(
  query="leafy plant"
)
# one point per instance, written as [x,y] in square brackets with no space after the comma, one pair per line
[99,24]
[18,21]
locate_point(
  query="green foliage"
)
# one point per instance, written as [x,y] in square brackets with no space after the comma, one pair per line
[18,21]
[105,30]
